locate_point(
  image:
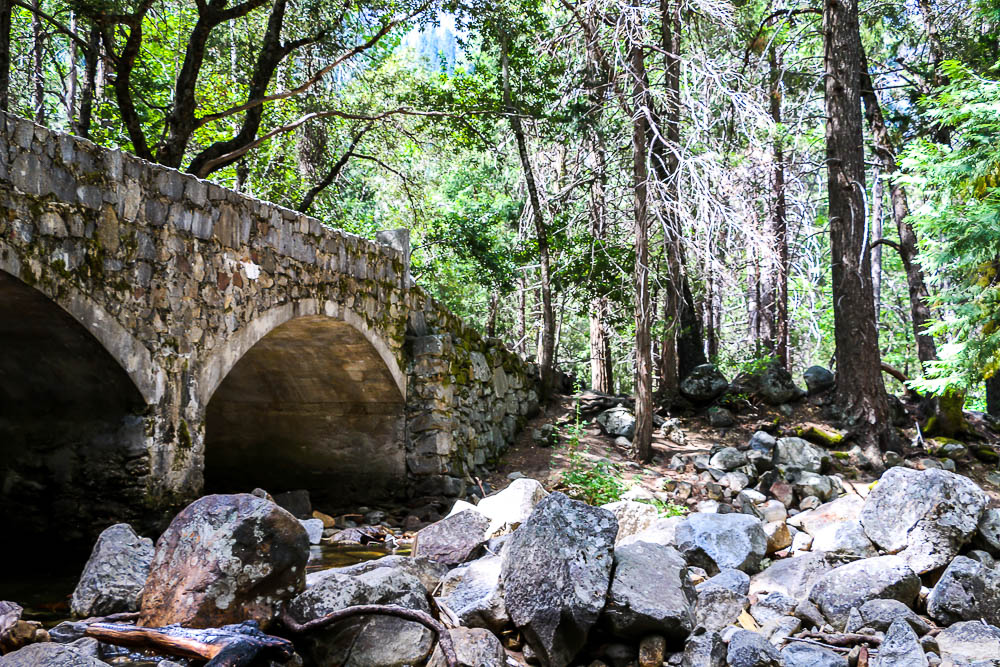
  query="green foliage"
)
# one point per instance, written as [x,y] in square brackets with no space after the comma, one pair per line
[596,483]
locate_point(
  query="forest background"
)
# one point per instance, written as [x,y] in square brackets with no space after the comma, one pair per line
[622,189]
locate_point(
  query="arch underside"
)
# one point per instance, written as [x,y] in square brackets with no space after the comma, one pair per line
[73,445]
[312,405]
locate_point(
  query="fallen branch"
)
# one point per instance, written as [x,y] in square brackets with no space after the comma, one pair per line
[443,636]
[228,646]
[901,376]
[847,639]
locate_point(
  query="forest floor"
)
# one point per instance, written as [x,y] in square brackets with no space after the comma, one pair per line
[548,465]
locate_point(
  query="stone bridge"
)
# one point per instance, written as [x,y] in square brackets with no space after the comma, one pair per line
[161,336]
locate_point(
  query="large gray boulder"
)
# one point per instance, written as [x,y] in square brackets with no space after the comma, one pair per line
[427,571]
[797,654]
[749,649]
[704,649]
[718,607]
[474,647]
[851,585]
[49,655]
[925,516]
[452,540]
[364,641]
[900,648]
[717,541]
[988,532]
[967,591]
[969,642]
[556,569]
[662,531]
[473,593]
[649,592]
[800,454]
[115,574]
[705,383]
[225,559]
[818,379]
[617,422]
[793,576]
[633,517]
[775,385]
[880,614]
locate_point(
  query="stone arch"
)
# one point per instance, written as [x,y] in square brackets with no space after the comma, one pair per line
[74,423]
[305,397]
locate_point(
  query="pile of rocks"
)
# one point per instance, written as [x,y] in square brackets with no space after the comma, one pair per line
[908,567]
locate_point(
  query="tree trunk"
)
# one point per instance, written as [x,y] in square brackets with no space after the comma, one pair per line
[877,231]
[39,74]
[777,301]
[88,90]
[860,388]
[547,347]
[522,318]
[491,320]
[920,312]
[5,23]
[993,395]
[601,372]
[942,134]
[642,440]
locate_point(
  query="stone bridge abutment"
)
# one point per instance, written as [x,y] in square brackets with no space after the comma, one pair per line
[160,335]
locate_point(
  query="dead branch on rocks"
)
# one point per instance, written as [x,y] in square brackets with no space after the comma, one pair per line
[228,646]
[847,639]
[443,636]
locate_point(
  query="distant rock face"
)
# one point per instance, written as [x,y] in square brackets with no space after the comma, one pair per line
[716,541]
[851,585]
[113,578]
[365,641]
[818,379]
[452,540]
[705,383]
[967,591]
[225,559]
[649,592]
[617,422]
[925,516]
[556,569]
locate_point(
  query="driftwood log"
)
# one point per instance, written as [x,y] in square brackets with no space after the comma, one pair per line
[428,621]
[228,646]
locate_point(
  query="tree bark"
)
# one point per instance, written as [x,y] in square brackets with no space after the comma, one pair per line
[860,388]
[942,133]
[777,300]
[5,25]
[547,344]
[642,439]
[993,395]
[88,89]
[877,231]
[920,312]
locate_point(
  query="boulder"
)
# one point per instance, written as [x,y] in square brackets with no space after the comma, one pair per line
[474,647]
[749,649]
[364,641]
[617,422]
[633,517]
[778,536]
[720,417]
[793,576]
[428,572]
[797,654]
[809,484]
[662,531]
[900,648]
[716,541]
[762,441]
[728,458]
[472,592]
[967,591]
[297,502]
[314,529]
[115,574]
[988,532]
[925,516]
[511,507]
[48,654]
[880,614]
[969,641]
[800,454]
[851,585]
[556,569]
[649,592]
[774,605]
[705,383]
[452,540]
[775,385]
[225,559]
[730,579]
[836,512]
[845,541]
[718,607]
[818,379]
[704,649]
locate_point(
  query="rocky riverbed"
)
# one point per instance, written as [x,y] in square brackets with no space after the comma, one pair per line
[900,572]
